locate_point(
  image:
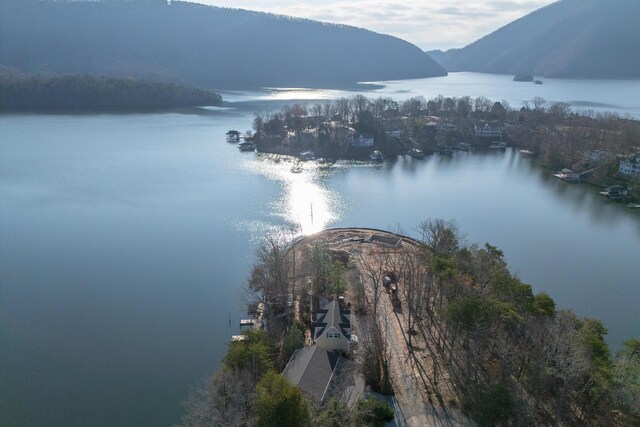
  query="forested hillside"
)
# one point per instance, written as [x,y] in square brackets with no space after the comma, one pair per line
[19,92]
[205,46]
[569,38]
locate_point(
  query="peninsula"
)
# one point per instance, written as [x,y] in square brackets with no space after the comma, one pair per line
[21,92]
[351,315]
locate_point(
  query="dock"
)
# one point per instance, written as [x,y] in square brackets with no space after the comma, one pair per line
[247,322]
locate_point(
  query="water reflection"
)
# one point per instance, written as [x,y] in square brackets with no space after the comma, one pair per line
[306,205]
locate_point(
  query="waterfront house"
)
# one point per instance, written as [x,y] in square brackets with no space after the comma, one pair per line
[332,330]
[362,141]
[313,368]
[445,125]
[595,157]
[487,131]
[630,166]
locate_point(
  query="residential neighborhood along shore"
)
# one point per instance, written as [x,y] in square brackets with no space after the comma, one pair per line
[603,150]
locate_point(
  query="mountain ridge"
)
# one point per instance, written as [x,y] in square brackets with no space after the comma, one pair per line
[566,39]
[205,46]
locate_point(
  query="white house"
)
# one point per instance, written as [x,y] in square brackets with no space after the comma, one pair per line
[443,125]
[487,131]
[361,140]
[313,368]
[630,166]
[333,328]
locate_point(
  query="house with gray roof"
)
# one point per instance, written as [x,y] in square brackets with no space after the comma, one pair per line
[332,330]
[313,368]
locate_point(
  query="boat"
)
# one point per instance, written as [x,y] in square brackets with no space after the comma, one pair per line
[498,145]
[526,152]
[568,175]
[296,168]
[417,153]
[445,151]
[233,136]
[634,205]
[306,155]
[616,192]
[463,146]
[376,156]
[538,82]
[247,146]
[325,162]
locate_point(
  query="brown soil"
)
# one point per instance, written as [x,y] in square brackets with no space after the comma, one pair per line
[420,401]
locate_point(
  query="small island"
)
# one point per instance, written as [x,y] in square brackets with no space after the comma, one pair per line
[523,78]
[346,320]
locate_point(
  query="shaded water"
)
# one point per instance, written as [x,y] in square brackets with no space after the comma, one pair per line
[125,240]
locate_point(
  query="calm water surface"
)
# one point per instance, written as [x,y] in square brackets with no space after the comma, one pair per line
[619,96]
[125,240]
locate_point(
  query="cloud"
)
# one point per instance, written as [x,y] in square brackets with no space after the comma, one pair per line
[427,23]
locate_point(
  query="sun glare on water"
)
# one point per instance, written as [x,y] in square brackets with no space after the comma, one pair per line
[299,94]
[305,203]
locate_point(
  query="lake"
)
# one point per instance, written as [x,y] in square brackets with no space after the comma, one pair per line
[598,96]
[126,240]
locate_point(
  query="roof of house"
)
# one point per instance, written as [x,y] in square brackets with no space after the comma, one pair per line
[332,315]
[311,369]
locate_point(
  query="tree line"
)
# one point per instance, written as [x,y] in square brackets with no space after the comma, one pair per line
[43,93]
[557,136]
[484,342]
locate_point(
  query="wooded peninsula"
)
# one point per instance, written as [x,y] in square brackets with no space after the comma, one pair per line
[44,93]
[351,315]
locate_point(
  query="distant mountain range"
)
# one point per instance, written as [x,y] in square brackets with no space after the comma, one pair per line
[567,39]
[205,46]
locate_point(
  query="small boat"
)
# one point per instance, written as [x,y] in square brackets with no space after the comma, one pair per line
[376,156]
[463,146]
[498,145]
[526,152]
[446,151]
[306,155]
[634,205]
[568,175]
[417,153]
[296,168]
[538,82]
[325,162]
[247,146]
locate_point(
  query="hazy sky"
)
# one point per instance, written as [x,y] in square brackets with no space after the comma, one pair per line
[430,24]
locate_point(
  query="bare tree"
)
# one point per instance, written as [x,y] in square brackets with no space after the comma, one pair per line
[440,236]
[224,400]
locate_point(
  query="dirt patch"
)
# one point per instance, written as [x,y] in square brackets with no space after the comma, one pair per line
[420,400]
